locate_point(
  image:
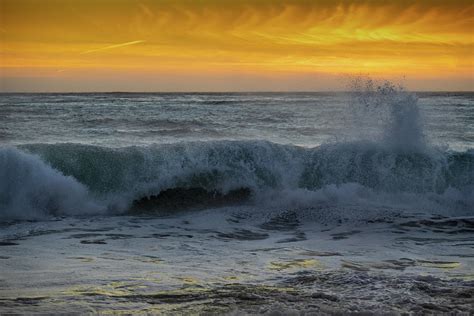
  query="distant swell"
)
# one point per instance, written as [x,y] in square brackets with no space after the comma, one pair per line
[45,179]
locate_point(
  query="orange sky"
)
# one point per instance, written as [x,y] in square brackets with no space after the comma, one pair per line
[145,45]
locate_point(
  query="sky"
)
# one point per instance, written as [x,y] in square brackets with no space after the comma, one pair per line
[224,45]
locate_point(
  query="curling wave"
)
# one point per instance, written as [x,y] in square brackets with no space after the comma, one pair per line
[44,179]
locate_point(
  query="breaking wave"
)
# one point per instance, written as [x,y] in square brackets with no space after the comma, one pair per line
[77,179]
[392,165]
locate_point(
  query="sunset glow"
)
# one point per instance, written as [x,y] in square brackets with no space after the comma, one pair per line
[105,45]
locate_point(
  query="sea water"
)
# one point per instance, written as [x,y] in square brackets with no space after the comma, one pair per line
[237,202]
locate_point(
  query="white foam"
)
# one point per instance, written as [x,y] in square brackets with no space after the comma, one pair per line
[29,188]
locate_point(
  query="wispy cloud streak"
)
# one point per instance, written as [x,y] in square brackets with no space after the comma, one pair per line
[112,47]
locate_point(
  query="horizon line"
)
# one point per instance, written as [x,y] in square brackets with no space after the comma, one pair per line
[215,92]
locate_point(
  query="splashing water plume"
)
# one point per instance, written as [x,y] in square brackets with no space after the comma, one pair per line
[389,112]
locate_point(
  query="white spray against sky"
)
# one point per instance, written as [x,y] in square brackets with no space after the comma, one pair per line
[385,112]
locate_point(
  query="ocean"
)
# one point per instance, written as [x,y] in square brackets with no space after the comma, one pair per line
[237,203]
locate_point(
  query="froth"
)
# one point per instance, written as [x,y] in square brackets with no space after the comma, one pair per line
[29,188]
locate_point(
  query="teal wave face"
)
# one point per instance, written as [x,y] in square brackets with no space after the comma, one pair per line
[385,169]
[225,165]
[76,178]
[210,165]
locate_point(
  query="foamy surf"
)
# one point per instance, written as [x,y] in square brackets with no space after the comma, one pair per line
[31,189]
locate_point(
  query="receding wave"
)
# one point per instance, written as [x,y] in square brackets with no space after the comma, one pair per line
[46,179]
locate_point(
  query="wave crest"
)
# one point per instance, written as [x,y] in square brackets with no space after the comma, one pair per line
[75,178]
